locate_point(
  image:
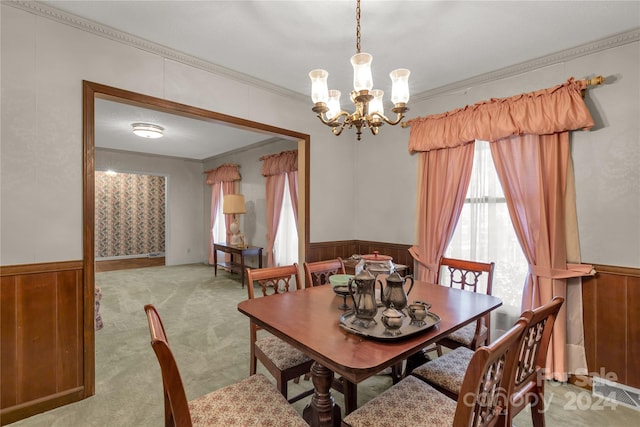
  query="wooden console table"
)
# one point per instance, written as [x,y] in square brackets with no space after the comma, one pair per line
[234,266]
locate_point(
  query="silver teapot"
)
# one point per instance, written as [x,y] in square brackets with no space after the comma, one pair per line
[364,298]
[394,292]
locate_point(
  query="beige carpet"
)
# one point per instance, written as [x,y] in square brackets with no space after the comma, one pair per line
[210,340]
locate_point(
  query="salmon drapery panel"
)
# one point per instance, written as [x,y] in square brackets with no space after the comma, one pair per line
[275,194]
[276,168]
[275,164]
[223,176]
[293,193]
[530,148]
[533,173]
[542,112]
[443,180]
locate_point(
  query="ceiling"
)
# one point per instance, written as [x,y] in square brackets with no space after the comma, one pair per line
[184,137]
[279,42]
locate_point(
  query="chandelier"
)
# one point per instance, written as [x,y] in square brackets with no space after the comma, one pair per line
[369,110]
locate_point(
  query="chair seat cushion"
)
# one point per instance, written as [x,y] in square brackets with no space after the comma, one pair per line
[411,402]
[251,402]
[448,370]
[282,355]
[465,334]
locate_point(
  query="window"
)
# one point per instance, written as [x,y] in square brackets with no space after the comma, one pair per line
[285,248]
[219,228]
[485,233]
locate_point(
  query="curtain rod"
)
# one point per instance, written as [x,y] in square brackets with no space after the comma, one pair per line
[593,81]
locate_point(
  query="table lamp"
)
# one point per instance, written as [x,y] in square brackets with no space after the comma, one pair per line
[233,204]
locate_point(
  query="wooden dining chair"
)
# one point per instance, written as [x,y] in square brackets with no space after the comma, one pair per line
[466,275]
[446,373]
[483,397]
[253,401]
[281,359]
[318,272]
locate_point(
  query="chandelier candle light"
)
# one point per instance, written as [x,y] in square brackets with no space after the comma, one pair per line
[369,110]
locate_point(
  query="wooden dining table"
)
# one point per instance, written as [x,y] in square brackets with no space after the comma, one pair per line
[309,320]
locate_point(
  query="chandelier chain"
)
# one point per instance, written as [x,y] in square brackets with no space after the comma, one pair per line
[358,26]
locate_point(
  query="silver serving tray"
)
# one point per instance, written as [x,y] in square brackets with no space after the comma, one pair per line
[350,323]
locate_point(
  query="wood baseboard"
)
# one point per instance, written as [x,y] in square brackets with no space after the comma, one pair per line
[124,264]
[581,381]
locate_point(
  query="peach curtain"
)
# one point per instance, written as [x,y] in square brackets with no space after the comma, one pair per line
[293,193]
[530,148]
[533,173]
[223,176]
[443,180]
[276,168]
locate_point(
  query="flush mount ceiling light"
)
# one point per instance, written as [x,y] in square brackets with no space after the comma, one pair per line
[147,130]
[369,111]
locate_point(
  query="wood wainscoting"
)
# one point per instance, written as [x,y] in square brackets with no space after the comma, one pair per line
[611,301]
[345,248]
[42,335]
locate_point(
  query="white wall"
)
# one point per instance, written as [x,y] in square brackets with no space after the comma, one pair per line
[184,236]
[43,65]
[363,190]
[606,158]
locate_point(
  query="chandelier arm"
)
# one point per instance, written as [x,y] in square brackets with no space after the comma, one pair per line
[399,117]
[333,120]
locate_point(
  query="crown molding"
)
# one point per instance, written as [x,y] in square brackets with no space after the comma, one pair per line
[534,64]
[101,30]
[168,53]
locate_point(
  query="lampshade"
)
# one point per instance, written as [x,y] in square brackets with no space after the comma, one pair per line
[147,130]
[333,103]
[319,85]
[400,88]
[233,204]
[376,106]
[362,78]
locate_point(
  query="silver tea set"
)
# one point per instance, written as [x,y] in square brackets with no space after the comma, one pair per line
[393,296]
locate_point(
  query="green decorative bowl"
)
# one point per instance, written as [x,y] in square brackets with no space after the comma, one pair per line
[340,279]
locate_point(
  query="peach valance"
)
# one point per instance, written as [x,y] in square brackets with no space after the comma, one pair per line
[547,111]
[224,173]
[276,164]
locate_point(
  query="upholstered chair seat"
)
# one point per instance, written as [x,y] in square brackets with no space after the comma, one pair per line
[466,335]
[447,371]
[283,355]
[253,401]
[411,402]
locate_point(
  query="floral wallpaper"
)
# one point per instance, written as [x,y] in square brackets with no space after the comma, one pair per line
[130,214]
